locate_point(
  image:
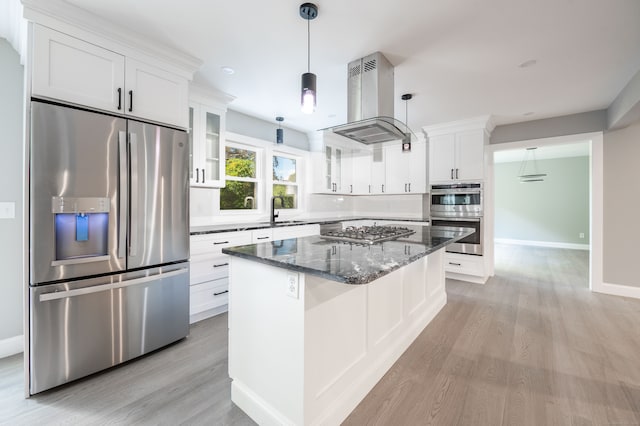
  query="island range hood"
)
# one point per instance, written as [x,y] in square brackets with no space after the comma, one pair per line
[370,101]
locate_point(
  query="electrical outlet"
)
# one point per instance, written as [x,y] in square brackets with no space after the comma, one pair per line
[292,285]
[581,235]
[8,210]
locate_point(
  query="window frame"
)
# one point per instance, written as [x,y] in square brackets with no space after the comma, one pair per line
[259,152]
[299,160]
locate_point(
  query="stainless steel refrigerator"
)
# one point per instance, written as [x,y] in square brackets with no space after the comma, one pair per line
[109,241]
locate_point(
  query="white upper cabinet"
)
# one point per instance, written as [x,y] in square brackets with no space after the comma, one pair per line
[155,94]
[72,70]
[406,172]
[456,150]
[361,164]
[206,140]
[335,170]
[378,171]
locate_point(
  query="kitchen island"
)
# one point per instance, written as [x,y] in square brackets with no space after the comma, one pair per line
[315,323]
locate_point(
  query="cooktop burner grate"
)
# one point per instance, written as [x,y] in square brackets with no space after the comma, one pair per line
[367,234]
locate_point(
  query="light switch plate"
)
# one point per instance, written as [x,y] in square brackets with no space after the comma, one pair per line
[7,210]
[293,289]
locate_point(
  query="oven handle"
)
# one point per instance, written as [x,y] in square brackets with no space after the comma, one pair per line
[455,191]
[458,219]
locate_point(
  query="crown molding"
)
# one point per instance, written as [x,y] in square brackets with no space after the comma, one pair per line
[484,122]
[204,94]
[74,21]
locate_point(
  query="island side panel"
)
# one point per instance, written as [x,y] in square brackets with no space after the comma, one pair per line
[371,325]
[266,357]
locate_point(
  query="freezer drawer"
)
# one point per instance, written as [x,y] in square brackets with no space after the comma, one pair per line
[82,327]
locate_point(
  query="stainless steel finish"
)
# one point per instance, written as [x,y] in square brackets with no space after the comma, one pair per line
[79,205]
[370,102]
[70,156]
[159,195]
[468,245]
[123,200]
[117,320]
[55,295]
[92,309]
[135,196]
[457,210]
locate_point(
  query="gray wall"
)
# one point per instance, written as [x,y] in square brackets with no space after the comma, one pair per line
[622,206]
[247,125]
[11,171]
[586,122]
[555,210]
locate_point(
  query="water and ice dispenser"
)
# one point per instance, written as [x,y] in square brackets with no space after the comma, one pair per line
[81,229]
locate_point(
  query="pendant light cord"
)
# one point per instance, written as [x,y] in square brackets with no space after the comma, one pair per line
[308,45]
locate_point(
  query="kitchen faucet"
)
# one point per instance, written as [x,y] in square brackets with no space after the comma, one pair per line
[274,215]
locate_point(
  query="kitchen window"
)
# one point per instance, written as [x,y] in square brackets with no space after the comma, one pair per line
[285,181]
[241,170]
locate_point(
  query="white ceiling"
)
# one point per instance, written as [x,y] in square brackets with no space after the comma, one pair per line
[460,58]
[543,153]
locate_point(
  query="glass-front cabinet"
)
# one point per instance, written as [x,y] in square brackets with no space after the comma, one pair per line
[206,140]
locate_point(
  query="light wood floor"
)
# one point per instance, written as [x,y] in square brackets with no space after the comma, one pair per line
[531,347]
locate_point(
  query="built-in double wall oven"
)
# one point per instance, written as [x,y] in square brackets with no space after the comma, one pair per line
[459,205]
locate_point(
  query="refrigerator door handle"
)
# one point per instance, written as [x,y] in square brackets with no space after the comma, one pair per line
[98,288]
[133,223]
[122,202]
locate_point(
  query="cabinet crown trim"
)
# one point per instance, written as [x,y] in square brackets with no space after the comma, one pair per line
[76,22]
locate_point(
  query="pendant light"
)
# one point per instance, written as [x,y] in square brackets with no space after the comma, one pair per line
[406,142]
[529,168]
[279,131]
[308,11]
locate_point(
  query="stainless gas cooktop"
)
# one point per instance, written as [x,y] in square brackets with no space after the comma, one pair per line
[367,234]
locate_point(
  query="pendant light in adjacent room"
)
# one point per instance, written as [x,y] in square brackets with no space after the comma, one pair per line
[308,11]
[279,131]
[529,168]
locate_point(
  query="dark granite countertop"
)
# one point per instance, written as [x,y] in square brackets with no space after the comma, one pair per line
[350,263]
[212,229]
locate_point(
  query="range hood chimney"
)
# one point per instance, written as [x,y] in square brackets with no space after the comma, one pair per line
[370,101]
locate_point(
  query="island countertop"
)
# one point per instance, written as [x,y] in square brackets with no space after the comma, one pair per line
[350,263]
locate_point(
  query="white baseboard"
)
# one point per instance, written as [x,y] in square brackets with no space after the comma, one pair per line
[618,290]
[551,244]
[11,346]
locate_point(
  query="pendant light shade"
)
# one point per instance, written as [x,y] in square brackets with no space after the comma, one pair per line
[279,131]
[308,93]
[308,11]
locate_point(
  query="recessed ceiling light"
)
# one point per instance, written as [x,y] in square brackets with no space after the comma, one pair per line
[527,64]
[528,113]
[228,70]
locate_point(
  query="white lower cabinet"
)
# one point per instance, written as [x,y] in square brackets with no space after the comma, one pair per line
[465,267]
[209,272]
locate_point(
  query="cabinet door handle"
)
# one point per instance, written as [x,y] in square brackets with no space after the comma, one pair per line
[369,188]
[457,174]
[119,98]
[383,187]
[202,175]
[220,265]
[220,242]
[197,175]
[454,264]
[221,292]
[130,100]
[451,173]
[351,189]
[261,238]
[409,186]
[405,187]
